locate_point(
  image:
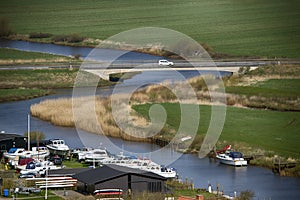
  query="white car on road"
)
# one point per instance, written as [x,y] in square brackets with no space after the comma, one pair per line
[165,63]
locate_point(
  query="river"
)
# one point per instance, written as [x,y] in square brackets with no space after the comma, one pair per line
[265,184]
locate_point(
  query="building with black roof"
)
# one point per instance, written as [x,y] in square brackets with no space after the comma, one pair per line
[8,141]
[118,177]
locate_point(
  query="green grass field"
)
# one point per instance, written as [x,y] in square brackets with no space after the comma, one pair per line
[269,130]
[271,88]
[255,27]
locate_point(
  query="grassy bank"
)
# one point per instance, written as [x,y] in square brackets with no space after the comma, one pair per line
[21,94]
[16,57]
[25,84]
[44,78]
[256,28]
[41,78]
[270,130]
[269,88]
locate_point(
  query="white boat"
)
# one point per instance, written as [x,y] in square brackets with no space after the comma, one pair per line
[38,168]
[82,153]
[14,155]
[232,158]
[40,153]
[142,164]
[58,147]
[96,155]
[15,152]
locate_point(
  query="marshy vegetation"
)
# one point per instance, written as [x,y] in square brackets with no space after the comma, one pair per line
[247,129]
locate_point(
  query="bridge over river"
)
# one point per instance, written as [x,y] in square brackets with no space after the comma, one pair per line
[103,70]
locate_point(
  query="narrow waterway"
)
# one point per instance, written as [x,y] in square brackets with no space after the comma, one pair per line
[265,184]
[104,54]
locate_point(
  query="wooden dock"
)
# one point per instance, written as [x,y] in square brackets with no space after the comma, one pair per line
[279,166]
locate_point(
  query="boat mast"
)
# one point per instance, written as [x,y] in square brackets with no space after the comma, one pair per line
[28,131]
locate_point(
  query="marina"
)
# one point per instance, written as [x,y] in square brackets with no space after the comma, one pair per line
[263,181]
[202,172]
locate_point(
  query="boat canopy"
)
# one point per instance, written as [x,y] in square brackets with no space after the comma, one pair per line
[236,155]
[12,150]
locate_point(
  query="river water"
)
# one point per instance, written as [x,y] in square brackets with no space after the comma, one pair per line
[265,184]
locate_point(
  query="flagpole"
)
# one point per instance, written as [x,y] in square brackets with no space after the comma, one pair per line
[28,131]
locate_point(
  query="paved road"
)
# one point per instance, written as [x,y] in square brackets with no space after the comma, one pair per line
[102,70]
[154,65]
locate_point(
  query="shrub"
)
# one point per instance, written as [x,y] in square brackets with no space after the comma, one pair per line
[60,38]
[73,38]
[39,35]
[5,28]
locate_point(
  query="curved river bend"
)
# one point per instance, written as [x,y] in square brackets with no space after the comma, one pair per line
[266,185]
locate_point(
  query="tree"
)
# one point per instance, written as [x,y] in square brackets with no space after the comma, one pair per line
[35,135]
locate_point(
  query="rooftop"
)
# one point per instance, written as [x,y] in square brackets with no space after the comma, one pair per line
[7,136]
[107,172]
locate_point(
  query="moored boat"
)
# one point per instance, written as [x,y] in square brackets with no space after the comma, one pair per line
[15,152]
[38,168]
[82,153]
[40,153]
[58,147]
[142,164]
[96,155]
[14,155]
[232,158]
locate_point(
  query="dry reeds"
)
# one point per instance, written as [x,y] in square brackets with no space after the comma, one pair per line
[57,111]
[87,113]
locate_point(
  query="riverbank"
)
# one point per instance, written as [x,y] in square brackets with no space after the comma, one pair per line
[12,57]
[24,84]
[152,49]
[22,94]
[246,129]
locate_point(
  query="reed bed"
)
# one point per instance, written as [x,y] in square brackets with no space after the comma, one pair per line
[59,112]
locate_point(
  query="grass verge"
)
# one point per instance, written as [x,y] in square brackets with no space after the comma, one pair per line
[16,57]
